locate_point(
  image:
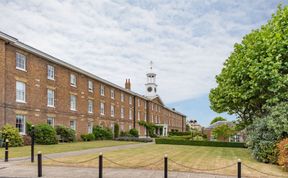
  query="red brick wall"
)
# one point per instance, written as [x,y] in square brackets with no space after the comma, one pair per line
[36,109]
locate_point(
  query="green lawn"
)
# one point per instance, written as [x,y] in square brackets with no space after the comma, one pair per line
[61,147]
[192,156]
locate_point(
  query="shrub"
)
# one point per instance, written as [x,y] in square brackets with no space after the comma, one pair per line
[124,134]
[102,133]
[198,143]
[88,137]
[28,128]
[27,140]
[116,130]
[173,133]
[66,134]
[12,134]
[283,153]
[134,132]
[135,139]
[45,134]
[265,132]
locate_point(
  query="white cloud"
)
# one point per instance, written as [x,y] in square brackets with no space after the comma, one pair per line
[187,40]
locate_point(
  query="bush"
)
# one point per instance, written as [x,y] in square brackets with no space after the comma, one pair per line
[124,134]
[116,130]
[102,133]
[174,133]
[198,143]
[134,132]
[135,139]
[66,134]
[266,132]
[45,134]
[27,140]
[88,137]
[283,153]
[12,134]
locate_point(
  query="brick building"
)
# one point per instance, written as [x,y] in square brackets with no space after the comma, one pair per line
[40,88]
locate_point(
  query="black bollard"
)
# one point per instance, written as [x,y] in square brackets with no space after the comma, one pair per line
[39,155]
[100,165]
[6,150]
[165,166]
[32,142]
[239,168]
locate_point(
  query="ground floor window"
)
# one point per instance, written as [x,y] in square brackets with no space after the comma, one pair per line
[50,121]
[20,123]
[90,127]
[73,124]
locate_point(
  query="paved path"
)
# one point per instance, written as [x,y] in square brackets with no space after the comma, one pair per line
[13,170]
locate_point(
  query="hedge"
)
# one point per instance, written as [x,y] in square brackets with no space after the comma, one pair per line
[135,139]
[199,143]
[179,133]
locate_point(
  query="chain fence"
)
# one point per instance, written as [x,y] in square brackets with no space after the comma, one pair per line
[261,172]
[65,162]
[133,167]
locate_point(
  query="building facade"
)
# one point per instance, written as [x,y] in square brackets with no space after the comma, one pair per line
[38,88]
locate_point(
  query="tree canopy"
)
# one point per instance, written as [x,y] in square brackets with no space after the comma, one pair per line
[216,119]
[255,76]
[223,131]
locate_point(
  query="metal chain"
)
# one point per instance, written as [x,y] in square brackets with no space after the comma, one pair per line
[197,169]
[132,167]
[22,159]
[63,162]
[262,172]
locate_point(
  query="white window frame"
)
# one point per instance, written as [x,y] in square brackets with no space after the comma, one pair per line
[50,72]
[50,98]
[130,99]
[139,103]
[20,60]
[122,112]
[145,116]
[130,114]
[22,124]
[90,106]
[112,109]
[90,86]
[73,102]
[20,92]
[112,93]
[138,115]
[145,104]
[102,90]
[102,108]
[130,127]
[74,126]
[122,97]
[52,119]
[90,127]
[73,80]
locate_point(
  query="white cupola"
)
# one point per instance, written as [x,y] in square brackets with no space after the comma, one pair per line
[151,86]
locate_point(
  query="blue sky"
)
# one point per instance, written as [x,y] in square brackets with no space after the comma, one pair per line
[188,40]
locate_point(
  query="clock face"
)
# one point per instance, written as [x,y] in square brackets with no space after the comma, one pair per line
[149,89]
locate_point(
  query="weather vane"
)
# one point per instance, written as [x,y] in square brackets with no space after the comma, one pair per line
[151,63]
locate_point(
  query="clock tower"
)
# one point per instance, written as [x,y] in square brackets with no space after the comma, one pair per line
[151,86]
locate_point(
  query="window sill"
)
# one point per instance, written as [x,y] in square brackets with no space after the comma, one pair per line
[73,110]
[53,79]
[50,106]
[22,102]
[72,85]
[24,70]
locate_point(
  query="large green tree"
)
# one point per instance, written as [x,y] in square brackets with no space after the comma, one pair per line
[223,131]
[216,119]
[255,76]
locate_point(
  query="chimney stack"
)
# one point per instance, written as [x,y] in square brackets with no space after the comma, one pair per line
[128,84]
